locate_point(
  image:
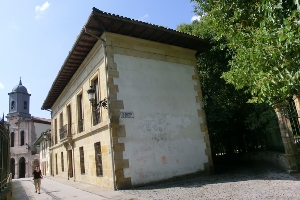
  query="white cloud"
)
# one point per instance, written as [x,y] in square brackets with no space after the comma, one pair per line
[1,86]
[144,17]
[195,17]
[40,10]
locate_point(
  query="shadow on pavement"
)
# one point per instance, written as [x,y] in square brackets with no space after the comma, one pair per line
[226,171]
[18,191]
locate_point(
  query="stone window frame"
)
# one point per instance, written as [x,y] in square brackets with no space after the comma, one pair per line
[22,138]
[12,139]
[69,118]
[62,161]
[92,81]
[55,131]
[80,111]
[81,155]
[56,165]
[98,159]
[12,105]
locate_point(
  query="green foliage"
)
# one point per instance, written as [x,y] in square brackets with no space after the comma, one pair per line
[264,40]
[234,125]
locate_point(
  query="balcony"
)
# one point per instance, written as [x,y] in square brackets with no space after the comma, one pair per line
[64,133]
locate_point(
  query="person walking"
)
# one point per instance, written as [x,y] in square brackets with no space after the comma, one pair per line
[37,176]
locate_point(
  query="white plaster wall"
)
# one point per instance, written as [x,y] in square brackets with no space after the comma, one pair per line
[164,137]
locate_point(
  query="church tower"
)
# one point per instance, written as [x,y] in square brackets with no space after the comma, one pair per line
[19,100]
[24,130]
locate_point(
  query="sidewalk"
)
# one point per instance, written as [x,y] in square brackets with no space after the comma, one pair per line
[59,188]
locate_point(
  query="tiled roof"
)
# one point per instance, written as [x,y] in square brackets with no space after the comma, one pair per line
[41,120]
[100,22]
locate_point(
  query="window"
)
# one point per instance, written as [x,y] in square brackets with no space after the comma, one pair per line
[81,160]
[25,104]
[56,167]
[55,131]
[12,105]
[98,158]
[80,113]
[69,114]
[96,113]
[12,139]
[22,138]
[62,161]
[61,120]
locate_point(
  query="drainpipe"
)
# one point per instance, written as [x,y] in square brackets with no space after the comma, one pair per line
[108,107]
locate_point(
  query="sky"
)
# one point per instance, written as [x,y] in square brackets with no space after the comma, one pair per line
[36,37]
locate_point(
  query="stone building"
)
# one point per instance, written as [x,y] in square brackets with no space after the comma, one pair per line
[148,123]
[42,144]
[24,129]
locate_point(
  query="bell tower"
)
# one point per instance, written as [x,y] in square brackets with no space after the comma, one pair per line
[19,100]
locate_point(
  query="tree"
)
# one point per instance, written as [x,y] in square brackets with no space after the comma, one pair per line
[264,42]
[234,125]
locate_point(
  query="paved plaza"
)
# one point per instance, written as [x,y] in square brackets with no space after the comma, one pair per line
[246,180]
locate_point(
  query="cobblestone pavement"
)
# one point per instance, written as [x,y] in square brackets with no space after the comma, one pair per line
[257,180]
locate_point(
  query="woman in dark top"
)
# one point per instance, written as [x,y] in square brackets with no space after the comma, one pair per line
[37,175]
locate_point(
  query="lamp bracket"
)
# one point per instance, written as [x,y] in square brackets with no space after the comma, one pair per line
[103,103]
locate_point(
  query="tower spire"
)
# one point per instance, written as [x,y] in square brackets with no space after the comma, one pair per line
[20,83]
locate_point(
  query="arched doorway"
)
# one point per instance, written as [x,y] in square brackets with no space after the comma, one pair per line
[12,167]
[22,167]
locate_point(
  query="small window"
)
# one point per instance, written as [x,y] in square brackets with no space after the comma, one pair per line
[82,167]
[80,113]
[25,104]
[98,158]
[55,131]
[61,120]
[22,138]
[12,105]
[12,139]
[62,161]
[56,166]
[96,112]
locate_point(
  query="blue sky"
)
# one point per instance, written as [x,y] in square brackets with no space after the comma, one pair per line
[36,37]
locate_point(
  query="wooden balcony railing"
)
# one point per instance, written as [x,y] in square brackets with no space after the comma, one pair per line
[63,132]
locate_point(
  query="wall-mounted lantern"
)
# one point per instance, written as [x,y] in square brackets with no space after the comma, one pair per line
[91,96]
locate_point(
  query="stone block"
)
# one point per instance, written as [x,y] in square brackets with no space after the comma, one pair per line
[203,127]
[109,49]
[113,88]
[119,147]
[118,156]
[121,164]
[113,73]
[196,87]
[124,183]
[119,174]
[118,104]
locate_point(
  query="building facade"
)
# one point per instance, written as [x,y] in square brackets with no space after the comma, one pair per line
[23,129]
[42,144]
[149,124]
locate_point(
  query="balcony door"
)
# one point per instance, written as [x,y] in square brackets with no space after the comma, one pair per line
[69,113]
